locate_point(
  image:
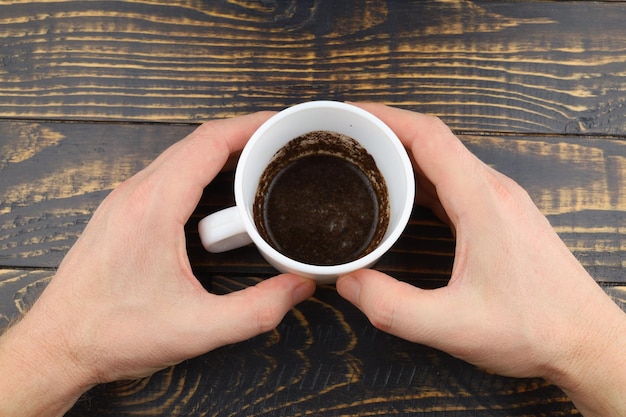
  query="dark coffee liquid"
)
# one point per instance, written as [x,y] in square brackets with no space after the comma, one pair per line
[320,209]
[322,200]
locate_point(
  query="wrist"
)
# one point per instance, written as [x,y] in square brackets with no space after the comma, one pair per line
[593,374]
[37,374]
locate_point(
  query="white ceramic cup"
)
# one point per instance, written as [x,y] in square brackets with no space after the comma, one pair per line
[234,227]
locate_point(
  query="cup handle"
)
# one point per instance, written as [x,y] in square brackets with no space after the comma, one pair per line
[223,231]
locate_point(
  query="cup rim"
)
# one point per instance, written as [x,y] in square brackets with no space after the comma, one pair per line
[326,270]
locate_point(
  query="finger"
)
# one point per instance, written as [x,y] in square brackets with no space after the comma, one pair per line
[397,307]
[185,169]
[455,172]
[254,310]
[204,152]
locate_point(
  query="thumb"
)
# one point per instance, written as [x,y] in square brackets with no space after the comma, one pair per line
[254,310]
[396,307]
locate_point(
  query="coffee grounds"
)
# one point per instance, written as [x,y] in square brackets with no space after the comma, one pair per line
[322,210]
[322,200]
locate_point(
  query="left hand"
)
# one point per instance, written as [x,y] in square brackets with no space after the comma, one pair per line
[124,302]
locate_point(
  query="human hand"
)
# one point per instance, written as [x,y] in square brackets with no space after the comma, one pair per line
[124,302]
[518,302]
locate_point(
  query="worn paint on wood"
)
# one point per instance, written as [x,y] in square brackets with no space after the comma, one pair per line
[91,92]
[324,358]
[54,175]
[531,66]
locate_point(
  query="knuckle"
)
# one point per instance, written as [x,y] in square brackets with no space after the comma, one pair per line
[434,124]
[212,131]
[383,314]
[507,190]
[268,317]
[208,128]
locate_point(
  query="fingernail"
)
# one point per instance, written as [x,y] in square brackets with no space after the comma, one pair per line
[349,288]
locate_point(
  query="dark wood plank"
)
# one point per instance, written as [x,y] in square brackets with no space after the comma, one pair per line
[507,66]
[54,175]
[19,288]
[534,88]
[324,358]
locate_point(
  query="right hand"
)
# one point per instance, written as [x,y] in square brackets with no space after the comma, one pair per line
[518,302]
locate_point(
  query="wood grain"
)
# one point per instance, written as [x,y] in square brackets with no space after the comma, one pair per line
[18,291]
[520,66]
[54,175]
[74,167]
[91,92]
[324,358]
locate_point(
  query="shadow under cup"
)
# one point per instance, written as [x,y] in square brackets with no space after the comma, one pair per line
[371,133]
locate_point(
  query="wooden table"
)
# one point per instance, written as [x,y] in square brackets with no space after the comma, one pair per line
[91,92]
